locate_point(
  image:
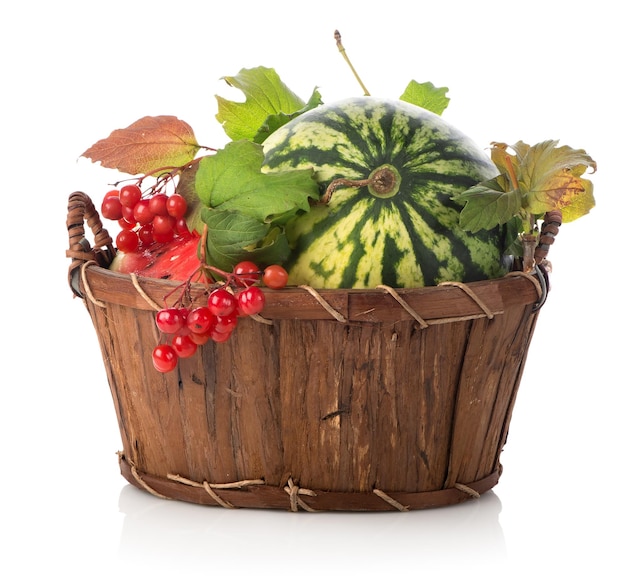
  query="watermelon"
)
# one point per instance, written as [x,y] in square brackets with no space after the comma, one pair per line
[176,260]
[401,227]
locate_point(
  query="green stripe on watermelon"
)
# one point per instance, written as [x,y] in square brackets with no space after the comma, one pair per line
[406,234]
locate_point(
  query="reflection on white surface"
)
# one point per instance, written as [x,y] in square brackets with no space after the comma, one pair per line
[170,535]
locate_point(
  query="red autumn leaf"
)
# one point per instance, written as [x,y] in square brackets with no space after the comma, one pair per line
[149,144]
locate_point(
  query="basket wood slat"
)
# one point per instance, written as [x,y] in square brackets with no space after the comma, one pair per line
[376,410]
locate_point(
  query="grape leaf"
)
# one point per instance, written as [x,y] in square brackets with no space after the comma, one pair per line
[536,180]
[274,121]
[232,237]
[232,180]
[266,95]
[427,96]
[551,178]
[147,145]
[488,205]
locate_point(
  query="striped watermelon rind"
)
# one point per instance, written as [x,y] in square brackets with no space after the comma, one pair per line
[409,238]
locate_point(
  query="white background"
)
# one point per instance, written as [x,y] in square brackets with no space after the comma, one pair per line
[74,71]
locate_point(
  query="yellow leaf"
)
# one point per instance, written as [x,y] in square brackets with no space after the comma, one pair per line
[581,204]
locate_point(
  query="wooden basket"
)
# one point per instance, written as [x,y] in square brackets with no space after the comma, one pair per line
[376,399]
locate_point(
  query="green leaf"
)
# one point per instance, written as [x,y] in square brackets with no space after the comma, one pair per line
[274,121]
[426,95]
[266,95]
[512,241]
[488,205]
[232,180]
[233,237]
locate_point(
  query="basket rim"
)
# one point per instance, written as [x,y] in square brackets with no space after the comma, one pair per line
[432,304]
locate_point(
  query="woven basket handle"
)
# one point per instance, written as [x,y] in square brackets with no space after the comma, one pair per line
[81,210]
[549,230]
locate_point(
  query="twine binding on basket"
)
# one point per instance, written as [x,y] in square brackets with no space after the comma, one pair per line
[139,479]
[394,503]
[394,294]
[85,282]
[488,313]
[142,293]
[334,313]
[467,490]
[294,492]
[210,488]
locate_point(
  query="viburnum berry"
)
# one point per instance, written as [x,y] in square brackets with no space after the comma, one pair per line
[164,358]
[184,346]
[251,300]
[115,193]
[275,276]
[128,213]
[200,339]
[146,237]
[142,213]
[163,224]
[170,320]
[176,206]
[163,228]
[181,228]
[111,207]
[130,195]
[125,225]
[127,241]
[221,302]
[218,336]
[200,320]
[225,323]
[158,204]
[247,272]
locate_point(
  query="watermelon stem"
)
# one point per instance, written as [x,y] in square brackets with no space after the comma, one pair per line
[342,182]
[382,182]
[342,50]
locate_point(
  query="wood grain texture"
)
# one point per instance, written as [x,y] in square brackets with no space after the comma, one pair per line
[378,403]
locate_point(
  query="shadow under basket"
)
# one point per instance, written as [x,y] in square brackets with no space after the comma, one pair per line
[364,400]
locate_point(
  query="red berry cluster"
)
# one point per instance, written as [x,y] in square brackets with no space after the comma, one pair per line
[144,220]
[237,297]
